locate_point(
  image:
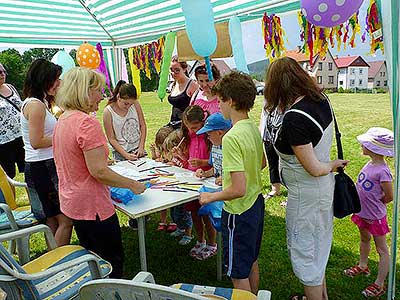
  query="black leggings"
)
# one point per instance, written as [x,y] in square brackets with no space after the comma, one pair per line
[104,239]
[273,163]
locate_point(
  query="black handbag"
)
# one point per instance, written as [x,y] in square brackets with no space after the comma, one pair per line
[345,198]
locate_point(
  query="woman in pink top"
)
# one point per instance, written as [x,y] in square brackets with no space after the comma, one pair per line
[204,96]
[80,154]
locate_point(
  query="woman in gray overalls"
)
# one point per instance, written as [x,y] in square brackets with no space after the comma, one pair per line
[303,144]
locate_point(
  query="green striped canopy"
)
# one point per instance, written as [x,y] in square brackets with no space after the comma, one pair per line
[119,23]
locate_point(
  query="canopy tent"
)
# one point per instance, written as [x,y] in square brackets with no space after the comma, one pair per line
[119,24]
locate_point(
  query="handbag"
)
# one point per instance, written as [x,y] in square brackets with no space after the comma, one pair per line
[345,197]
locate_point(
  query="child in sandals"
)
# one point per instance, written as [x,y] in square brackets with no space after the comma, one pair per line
[374,186]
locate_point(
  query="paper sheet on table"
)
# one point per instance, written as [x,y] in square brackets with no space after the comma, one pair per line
[125,171]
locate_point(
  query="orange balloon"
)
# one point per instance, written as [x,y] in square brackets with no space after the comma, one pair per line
[88,56]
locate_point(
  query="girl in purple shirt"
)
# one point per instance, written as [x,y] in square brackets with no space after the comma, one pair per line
[374,186]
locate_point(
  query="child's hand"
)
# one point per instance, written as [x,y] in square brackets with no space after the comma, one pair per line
[205,198]
[140,152]
[131,156]
[110,162]
[218,180]
[195,162]
[199,173]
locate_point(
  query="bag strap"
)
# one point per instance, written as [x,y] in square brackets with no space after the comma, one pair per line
[12,103]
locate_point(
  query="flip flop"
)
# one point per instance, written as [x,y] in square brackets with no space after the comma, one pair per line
[298,297]
[272,194]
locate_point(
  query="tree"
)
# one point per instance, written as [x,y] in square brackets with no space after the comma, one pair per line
[32,54]
[12,61]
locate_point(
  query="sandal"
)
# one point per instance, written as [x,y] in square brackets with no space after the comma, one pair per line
[373,290]
[356,270]
[298,297]
[171,227]
[161,227]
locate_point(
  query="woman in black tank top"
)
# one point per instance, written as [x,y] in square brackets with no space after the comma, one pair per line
[180,100]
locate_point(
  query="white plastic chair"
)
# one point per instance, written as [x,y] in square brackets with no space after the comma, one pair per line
[143,287]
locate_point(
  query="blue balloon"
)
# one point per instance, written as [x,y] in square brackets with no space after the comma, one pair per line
[235,32]
[64,60]
[199,20]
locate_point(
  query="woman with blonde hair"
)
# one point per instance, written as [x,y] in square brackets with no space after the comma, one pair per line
[80,153]
[303,143]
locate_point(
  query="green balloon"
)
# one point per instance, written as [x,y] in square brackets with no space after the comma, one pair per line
[166,61]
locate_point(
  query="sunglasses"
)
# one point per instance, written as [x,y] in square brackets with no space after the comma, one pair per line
[175,70]
[3,72]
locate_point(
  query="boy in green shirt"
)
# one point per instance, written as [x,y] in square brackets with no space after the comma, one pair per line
[242,162]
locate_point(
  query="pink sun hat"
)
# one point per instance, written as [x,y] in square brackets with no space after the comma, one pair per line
[378,140]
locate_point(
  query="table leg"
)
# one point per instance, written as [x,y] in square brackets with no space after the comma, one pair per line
[142,243]
[219,256]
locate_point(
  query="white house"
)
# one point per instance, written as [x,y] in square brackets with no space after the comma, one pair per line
[353,72]
[377,75]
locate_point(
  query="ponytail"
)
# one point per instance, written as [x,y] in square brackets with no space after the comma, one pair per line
[115,92]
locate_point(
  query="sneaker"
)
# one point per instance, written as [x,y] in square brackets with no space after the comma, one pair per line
[177,233]
[197,248]
[207,252]
[171,227]
[161,227]
[185,240]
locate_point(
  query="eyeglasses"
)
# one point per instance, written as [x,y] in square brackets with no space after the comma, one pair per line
[3,72]
[175,70]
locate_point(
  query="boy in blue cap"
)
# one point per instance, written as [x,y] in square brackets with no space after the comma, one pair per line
[243,160]
[215,127]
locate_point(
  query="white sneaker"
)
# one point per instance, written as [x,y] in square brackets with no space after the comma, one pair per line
[197,248]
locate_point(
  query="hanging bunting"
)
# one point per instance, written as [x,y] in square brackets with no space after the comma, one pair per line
[148,57]
[273,34]
[102,68]
[373,28]
[135,73]
[316,40]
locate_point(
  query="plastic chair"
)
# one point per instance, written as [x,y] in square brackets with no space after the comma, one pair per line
[57,274]
[143,287]
[13,217]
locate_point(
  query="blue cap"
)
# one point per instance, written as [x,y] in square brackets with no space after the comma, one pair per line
[215,122]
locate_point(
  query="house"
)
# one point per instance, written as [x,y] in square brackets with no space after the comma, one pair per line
[353,72]
[377,75]
[325,69]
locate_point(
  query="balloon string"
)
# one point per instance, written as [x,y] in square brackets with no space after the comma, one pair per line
[208,67]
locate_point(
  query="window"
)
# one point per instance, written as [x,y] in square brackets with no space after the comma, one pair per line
[330,66]
[385,83]
[319,79]
[352,71]
[331,79]
[361,70]
[352,81]
[320,66]
[378,83]
[341,82]
[382,74]
[360,82]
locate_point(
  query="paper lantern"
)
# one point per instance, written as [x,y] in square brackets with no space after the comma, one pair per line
[235,33]
[199,21]
[329,13]
[88,56]
[64,60]
[168,49]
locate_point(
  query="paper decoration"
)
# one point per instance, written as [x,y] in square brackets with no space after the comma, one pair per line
[148,57]
[199,22]
[273,34]
[88,56]
[316,40]
[329,13]
[374,28]
[135,73]
[169,48]
[235,32]
[102,68]
[63,59]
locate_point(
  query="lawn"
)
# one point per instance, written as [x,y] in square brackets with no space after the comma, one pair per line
[170,262]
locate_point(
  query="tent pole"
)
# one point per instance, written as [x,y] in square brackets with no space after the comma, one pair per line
[395,12]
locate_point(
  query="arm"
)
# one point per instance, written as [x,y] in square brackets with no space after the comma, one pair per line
[388,190]
[96,163]
[201,173]
[192,88]
[306,156]
[197,162]
[236,190]
[143,128]
[35,113]
[108,127]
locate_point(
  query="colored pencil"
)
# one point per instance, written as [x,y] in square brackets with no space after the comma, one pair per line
[141,164]
[131,162]
[175,183]
[188,189]
[180,142]
[174,190]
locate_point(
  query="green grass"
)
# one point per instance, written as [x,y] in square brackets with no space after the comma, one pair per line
[170,262]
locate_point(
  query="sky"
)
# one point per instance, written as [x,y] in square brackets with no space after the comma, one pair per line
[253,42]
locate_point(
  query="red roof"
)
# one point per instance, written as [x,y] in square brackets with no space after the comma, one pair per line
[374,67]
[346,61]
[222,66]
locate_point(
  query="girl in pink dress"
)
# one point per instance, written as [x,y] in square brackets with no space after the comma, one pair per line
[204,97]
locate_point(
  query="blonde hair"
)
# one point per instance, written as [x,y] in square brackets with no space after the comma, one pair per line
[74,91]
[173,139]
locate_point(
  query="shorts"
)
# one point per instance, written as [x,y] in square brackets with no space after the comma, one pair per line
[192,205]
[374,227]
[12,153]
[41,178]
[241,239]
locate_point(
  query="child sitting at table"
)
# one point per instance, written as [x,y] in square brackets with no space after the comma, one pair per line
[198,155]
[156,148]
[175,152]
[215,128]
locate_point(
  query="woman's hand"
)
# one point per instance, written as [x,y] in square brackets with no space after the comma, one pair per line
[137,187]
[338,163]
